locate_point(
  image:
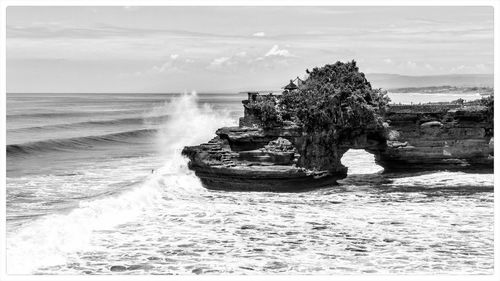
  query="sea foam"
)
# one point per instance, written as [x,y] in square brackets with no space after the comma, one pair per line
[49,240]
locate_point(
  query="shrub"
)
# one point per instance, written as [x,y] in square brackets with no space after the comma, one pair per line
[489,102]
[265,109]
[334,98]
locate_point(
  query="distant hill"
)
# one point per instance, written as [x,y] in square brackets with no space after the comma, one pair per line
[391,81]
[444,89]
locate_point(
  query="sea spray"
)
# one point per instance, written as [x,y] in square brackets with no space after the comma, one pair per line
[189,124]
[49,240]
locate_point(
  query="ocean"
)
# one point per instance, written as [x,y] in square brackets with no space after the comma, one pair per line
[96,185]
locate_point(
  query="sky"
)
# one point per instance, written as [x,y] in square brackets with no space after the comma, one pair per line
[224,49]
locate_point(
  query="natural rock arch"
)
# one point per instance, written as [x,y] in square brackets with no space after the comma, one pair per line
[334,110]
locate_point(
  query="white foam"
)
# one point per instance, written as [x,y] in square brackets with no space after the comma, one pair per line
[49,240]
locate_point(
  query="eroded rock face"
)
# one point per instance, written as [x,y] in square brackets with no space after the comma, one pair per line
[438,138]
[271,167]
[252,158]
[282,158]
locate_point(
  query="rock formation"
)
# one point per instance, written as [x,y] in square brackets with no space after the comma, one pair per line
[441,136]
[253,157]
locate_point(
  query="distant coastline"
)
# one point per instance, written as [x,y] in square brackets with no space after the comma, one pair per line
[393,81]
[443,90]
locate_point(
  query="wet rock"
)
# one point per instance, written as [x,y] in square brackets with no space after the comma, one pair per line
[322,227]
[248,226]
[356,249]
[137,267]
[275,265]
[118,268]
[197,271]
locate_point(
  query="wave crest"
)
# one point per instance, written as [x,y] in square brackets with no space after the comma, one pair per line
[76,143]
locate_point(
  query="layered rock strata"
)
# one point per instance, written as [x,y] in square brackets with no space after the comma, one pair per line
[254,159]
[438,137]
[250,157]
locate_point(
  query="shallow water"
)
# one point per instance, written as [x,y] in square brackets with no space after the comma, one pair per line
[131,206]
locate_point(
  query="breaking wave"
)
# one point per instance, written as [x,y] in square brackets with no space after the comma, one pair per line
[70,114]
[76,143]
[49,240]
[113,122]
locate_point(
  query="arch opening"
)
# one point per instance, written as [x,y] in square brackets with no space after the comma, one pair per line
[360,162]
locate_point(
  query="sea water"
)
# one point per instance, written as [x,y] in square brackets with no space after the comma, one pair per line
[96,185]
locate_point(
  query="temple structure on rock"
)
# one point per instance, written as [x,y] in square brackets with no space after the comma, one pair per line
[293,85]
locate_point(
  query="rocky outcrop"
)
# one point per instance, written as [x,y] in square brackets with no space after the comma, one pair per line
[438,137]
[251,157]
[267,166]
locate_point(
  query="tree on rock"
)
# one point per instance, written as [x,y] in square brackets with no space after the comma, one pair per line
[335,98]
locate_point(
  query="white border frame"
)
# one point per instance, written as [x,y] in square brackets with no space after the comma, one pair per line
[3,68]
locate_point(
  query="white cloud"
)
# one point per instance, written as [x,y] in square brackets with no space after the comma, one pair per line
[478,68]
[388,61]
[259,34]
[170,65]
[219,61]
[276,51]
[165,66]
[130,8]
[241,54]
[411,64]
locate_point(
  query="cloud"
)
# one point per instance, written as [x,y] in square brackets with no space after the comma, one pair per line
[276,51]
[241,54]
[222,63]
[164,67]
[130,8]
[237,58]
[471,69]
[259,34]
[219,61]
[171,65]
[235,61]
[411,64]
[388,61]
[428,66]
[99,30]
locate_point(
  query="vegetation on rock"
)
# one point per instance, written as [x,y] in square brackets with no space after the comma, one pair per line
[335,97]
[266,110]
[489,102]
